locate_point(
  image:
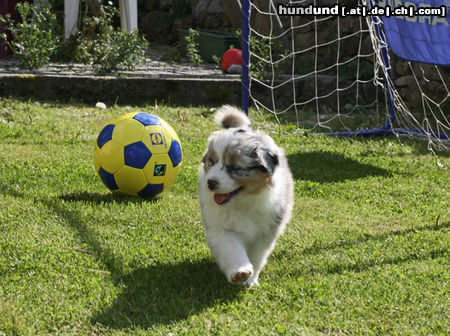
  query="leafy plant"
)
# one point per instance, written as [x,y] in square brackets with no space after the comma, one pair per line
[35,38]
[172,56]
[108,49]
[217,59]
[192,46]
[260,67]
[117,50]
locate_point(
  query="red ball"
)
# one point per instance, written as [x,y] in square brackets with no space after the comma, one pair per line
[231,61]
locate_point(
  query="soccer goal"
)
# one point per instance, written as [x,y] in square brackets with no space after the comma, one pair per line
[350,68]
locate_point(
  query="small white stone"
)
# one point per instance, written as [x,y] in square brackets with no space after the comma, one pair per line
[348,107]
[100,105]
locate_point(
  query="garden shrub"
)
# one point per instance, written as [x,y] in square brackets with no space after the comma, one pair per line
[37,40]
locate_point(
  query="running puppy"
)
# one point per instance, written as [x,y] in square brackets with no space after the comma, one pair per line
[246,196]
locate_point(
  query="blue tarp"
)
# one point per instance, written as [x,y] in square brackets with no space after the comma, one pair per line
[418,38]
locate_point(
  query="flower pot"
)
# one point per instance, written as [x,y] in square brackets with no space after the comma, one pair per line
[210,43]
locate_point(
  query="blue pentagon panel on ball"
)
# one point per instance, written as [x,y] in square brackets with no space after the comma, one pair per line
[136,155]
[175,153]
[151,190]
[108,179]
[147,119]
[105,135]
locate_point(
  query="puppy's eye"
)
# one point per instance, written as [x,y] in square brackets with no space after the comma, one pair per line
[210,162]
[235,167]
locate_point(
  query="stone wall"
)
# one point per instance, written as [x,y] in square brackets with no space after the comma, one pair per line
[408,76]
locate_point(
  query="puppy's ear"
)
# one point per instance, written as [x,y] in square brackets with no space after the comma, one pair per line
[209,154]
[267,158]
[205,155]
[209,147]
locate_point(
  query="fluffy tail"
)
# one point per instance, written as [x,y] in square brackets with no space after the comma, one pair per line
[229,116]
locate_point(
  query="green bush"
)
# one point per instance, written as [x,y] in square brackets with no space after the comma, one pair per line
[35,39]
[106,48]
[192,46]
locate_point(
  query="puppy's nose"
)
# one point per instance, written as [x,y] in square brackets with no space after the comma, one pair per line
[212,184]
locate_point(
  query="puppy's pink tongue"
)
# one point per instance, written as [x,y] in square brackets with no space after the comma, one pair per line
[221,198]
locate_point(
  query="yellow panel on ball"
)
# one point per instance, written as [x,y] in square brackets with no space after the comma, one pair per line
[171,176]
[123,116]
[110,156]
[157,139]
[157,168]
[127,131]
[169,129]
[130,180]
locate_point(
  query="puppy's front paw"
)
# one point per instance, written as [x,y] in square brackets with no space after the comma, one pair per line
[252,282]
[241,275]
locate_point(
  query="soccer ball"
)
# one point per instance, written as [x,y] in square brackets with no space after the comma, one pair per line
[231,61]
[138,154]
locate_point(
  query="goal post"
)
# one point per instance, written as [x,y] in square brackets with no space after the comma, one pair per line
[245,45]
[331,69]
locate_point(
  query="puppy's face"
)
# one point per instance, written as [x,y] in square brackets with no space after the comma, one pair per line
[237,162]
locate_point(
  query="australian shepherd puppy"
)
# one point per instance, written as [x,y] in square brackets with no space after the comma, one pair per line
[246,196]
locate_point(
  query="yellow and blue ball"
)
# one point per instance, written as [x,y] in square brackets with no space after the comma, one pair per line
[138,154]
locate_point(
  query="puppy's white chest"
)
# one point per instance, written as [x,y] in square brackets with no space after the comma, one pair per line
[250,225]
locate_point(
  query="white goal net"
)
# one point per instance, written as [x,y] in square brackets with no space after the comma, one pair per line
[328,73]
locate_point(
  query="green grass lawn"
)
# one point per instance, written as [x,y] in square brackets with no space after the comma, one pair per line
[366,252]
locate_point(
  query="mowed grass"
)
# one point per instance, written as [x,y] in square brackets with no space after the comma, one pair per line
[366,252]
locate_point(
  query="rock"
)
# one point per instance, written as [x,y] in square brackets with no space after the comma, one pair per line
[213,21]
[209,13]
[402,68]
[348,25]
[199,8]
[305,40]
[436,86]
[405,81]
[215,7]
[431,73]
[366,45]
[165,4]
[348,107]
[349,46]
[157,25]
[100,105]
[411,97]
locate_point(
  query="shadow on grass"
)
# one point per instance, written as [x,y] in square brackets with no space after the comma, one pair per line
[389,260]
[99,198]
[165,293]
[376,237]
[157,294]
[326,167]
[418,146]
[361,265]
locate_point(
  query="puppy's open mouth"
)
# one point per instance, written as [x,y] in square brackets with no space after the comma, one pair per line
[225,198]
